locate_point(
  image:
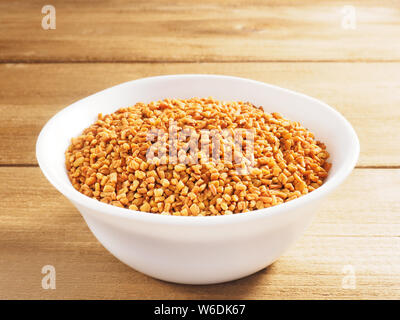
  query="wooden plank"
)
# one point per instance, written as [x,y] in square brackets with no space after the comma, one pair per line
[161,30]
[358,226]
[363,92]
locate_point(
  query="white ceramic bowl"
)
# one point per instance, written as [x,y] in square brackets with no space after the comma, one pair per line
[198,250]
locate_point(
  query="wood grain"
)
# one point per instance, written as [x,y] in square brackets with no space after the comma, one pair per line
[365,93]
[39,226]
[299,45]
[161,30]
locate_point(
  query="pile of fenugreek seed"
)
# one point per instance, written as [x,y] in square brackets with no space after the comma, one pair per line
[195,157]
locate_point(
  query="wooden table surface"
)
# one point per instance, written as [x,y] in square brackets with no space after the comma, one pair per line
[298,45]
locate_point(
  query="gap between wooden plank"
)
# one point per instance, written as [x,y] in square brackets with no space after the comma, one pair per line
[41,61]
[377,167]
[18,165]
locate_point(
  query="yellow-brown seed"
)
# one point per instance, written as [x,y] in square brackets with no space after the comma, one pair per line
[194,209]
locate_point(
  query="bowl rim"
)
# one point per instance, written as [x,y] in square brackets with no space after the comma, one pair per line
[113,211]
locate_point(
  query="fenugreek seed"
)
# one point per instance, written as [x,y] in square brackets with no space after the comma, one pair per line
[108,188]
[152,174]
[143,166]
[228,190]
[213,189]
[214,176]
[150,180]
[142,190]
[180,186]
[256,171]
[117,204]
[113,177]
[133,207]
[134,185]
[259,205]
[180,167]
[191,195]
[165,183]
[167,207]
[78,161]
[241,205]
[194,209]
[184,191]
[140,174]
[276,171]
[145,207]
[240,187]
[213,210]
[158,192]
[89,181]
[124,201]
[251,196]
